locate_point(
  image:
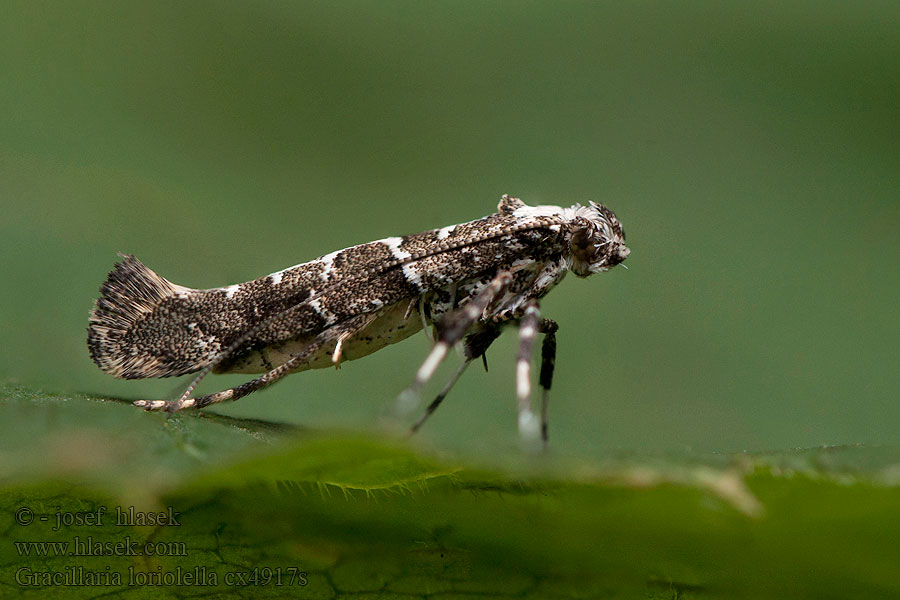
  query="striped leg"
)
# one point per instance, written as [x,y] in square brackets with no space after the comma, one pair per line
[440,397]
[235,392]
[529,428]
[548,362]
[350,328]
[453,328]
[476,345]
[252,385]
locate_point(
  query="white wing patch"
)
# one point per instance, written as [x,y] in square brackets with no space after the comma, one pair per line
[328,262]
[394,244]
[413,276]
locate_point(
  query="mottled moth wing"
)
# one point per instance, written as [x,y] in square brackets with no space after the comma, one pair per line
[145,326]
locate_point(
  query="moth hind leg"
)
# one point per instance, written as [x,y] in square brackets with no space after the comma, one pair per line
[347,329]
[234,393]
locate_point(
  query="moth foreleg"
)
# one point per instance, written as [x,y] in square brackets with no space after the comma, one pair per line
[476,345]
[548,362]
[453,328]
[529,427]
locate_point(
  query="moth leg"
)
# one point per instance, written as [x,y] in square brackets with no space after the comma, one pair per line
[412,304]
[424,320]
[476,345]
[350,328]
[254,384]
[440,397]
[453,328]
[337,356]
[548,362]
[232,393]
[528,326]
[419,302]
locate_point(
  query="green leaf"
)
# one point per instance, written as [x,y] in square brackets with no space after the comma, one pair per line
[256,504]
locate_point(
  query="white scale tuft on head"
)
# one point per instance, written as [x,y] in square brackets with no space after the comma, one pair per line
[542,210]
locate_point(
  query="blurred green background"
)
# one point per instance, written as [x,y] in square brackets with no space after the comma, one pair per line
[751,151]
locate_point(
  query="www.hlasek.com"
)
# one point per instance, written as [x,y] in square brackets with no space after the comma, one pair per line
[88,546]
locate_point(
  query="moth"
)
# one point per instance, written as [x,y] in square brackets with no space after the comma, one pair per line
[461,283]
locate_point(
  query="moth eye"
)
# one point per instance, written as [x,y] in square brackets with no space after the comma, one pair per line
[581,245]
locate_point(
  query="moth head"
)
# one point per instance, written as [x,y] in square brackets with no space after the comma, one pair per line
[596,240]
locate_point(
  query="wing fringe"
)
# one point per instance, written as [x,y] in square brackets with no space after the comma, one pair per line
[131,291]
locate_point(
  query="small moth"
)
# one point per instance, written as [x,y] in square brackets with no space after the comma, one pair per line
[462,282]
